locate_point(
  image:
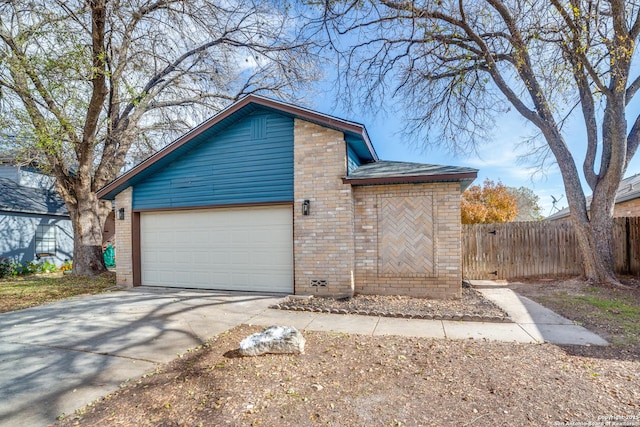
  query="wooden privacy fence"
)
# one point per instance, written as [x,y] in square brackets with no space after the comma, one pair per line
[540,249]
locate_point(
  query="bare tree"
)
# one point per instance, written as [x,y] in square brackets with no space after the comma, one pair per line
[528,204]
[87,85]
[458,63]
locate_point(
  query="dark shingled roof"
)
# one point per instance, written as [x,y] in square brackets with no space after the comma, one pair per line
[19,199]
[628,189]
[390,172]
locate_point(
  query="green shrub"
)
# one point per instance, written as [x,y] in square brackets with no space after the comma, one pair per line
[7,268]
[47,267]
[27,268]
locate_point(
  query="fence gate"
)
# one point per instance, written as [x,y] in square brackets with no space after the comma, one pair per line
[519,249]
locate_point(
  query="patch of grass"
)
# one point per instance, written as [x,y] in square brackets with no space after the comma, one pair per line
[617,306]
[24,292]
[616,314]
[622,312]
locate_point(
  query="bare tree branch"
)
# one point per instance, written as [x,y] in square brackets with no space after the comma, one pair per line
[86,83]
[454,64]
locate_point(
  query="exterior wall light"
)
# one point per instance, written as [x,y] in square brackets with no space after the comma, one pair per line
[305,207]
[121,213]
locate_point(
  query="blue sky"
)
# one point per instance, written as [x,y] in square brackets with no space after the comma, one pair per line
[497,159]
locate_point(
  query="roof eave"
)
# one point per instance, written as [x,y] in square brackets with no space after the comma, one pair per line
[34,213]
[410,179]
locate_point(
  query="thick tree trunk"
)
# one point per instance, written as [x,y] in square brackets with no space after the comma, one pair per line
[88,218]
[594,241]
[594,229]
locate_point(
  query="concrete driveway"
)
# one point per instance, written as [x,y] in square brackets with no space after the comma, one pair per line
[58,357]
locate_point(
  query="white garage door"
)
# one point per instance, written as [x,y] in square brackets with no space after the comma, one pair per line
[248,249]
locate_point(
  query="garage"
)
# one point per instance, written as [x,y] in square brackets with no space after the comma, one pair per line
[271,197]
[240,249]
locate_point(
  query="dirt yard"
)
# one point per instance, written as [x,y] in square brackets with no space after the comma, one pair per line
[353,380]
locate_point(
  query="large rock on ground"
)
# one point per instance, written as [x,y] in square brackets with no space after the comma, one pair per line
[274,339]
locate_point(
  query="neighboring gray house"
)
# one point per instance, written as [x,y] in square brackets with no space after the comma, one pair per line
[34,222]
[627,200]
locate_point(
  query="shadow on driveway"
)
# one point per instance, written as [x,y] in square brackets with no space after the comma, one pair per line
[58,357]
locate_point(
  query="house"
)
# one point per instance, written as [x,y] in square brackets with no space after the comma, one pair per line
[627,200]
[271,197]
[34,222]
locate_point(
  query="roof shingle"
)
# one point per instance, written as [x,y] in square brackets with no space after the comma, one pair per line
[20,199]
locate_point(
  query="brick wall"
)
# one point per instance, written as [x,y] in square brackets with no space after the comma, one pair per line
[123,239]
[628,208]
[407,240]
[323,241]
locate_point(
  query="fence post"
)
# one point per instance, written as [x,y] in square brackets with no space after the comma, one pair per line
[627,246]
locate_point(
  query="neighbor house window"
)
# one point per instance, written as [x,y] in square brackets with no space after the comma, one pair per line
[46,240]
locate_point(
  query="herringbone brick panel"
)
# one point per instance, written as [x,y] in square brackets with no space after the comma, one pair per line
[405,236]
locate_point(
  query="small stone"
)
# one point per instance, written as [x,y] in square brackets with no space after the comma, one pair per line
[316,387]
[274,340]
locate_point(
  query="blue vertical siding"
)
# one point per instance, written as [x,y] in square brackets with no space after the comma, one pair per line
[251,161]
[353,161]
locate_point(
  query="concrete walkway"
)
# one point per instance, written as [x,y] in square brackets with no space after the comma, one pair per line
[58,357]
[533,323]
[540,323]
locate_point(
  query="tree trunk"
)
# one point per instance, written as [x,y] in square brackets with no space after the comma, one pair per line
[594,230]
[594,241]
[88,217]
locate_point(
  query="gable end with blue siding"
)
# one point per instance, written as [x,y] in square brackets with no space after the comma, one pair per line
[249,161]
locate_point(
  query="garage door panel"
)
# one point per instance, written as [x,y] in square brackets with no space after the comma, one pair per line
[240,237]
[248,249]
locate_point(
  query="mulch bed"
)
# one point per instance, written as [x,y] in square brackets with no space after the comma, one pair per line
[471,307]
